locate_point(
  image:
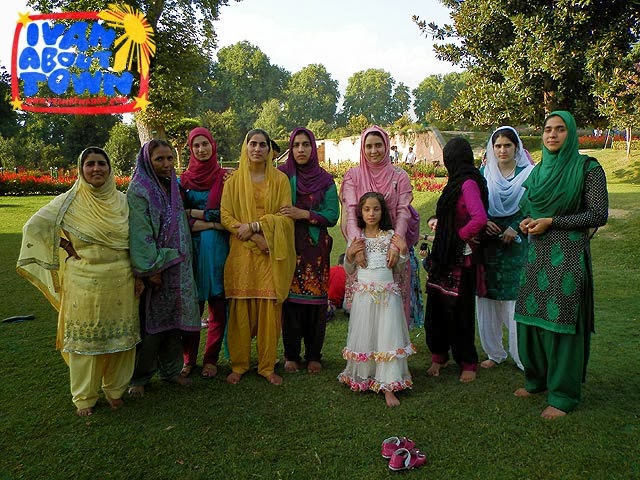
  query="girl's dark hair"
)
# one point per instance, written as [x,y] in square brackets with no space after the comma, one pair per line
[505,132]
[155,143]
[385,218]
[96,150]
[260,131]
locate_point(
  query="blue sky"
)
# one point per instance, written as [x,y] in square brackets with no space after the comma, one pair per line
[346,36]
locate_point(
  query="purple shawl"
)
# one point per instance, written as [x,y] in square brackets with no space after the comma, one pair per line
[165,206]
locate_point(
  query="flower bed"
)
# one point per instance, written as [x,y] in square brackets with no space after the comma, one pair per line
[42,183]
[424,178]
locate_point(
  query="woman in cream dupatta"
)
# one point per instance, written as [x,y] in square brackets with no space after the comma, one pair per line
[262,256]
[93,288]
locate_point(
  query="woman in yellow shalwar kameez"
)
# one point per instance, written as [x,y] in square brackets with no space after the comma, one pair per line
[262,256]
[93,289]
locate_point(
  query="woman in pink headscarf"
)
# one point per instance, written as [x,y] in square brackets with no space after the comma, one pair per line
[376,173]
[201,188]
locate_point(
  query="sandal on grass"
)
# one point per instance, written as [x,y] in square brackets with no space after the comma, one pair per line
[186,371]
[209,370]
[403,459]
[392,444]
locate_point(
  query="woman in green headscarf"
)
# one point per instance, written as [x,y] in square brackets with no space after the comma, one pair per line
[566,196]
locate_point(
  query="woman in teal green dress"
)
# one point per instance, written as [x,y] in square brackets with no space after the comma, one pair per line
[507,167]
[201,187]
[565,199]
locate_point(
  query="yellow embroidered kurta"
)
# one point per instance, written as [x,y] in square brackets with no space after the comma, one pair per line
[248,272]
[98,310]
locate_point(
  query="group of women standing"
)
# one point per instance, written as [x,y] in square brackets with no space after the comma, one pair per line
[254,245]
[517,237]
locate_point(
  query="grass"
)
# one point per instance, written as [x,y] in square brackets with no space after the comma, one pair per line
[313,427]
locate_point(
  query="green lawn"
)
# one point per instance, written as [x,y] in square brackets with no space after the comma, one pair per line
[313,427]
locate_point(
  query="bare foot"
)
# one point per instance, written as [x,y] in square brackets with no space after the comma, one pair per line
[137,391]
[551,413]
[521,392]
[291,367]
[116,403]
[434,369]
[186,371]
[209,370]
[275,379]
[314,367]
[85,412]
[234,378]
[488,363]
[467,376]
[391,399]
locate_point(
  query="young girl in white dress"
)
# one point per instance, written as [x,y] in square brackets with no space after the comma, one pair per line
[378,342]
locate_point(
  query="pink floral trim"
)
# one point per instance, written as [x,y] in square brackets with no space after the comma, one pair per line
[402,352]
[374,385]
[379,291]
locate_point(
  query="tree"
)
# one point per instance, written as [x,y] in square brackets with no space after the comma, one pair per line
[310,95]
[434,94]
[184,46]
[526,59]
[371,93]
[400,101]
[618,96]
[357,124]
[122,147]
[319,128]
[243,79]
[270,119]
[8,116]
[228,132]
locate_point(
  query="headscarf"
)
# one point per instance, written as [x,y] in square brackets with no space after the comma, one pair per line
[555,185]
[505,195]
[458,159]
[306,180]
[384,178]
[310,177]
[201,175]
[276,228]
[165,207]
[376,177]
[97,215]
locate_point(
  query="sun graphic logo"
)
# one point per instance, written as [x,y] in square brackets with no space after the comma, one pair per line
[82,62]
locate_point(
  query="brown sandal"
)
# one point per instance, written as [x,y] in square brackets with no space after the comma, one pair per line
[209,370]
[186,371]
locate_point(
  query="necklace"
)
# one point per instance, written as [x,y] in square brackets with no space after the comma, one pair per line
[510,173]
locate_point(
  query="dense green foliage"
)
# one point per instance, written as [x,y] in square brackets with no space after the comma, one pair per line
[374,94]
[435,94]
[526,59]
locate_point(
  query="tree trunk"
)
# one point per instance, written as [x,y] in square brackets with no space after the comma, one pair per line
[148,132]
[628,135]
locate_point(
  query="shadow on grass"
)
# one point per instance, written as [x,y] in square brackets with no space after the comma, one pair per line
[631,173]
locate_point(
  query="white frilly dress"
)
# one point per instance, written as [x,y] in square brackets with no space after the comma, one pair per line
[378,342]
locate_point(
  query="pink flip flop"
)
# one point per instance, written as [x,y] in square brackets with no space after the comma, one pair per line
[392,444]
[403,459]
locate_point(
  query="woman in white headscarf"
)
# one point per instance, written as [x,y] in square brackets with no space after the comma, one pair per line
[507,167]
